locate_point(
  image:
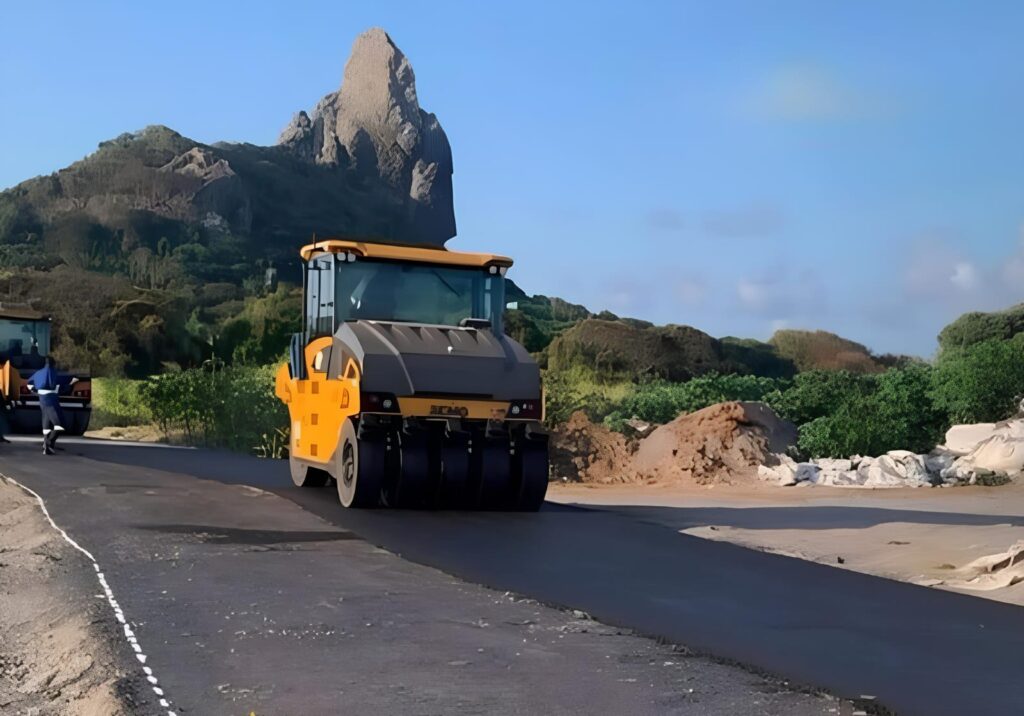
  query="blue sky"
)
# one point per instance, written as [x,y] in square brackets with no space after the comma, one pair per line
[736,166]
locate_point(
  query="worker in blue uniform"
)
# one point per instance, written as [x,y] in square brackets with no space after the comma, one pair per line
[48,384]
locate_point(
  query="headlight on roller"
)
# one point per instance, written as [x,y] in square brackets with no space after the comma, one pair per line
[526,409]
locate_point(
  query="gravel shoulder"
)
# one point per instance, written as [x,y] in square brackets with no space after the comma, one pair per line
[57,654]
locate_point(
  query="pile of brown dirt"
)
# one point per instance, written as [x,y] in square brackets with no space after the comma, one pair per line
[723,443]
[583,451]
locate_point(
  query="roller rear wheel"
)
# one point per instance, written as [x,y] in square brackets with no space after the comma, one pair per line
[454,486]
[359,468]
[412,485]
[495,474]
[531,468]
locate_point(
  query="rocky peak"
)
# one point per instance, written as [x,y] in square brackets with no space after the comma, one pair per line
[200,163]
[374,128]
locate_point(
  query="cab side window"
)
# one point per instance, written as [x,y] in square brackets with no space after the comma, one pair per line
[320,296]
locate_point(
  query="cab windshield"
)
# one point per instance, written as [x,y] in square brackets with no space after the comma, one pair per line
[24,338]
[405,292]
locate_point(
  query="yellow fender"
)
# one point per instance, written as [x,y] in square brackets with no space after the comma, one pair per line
[10,381]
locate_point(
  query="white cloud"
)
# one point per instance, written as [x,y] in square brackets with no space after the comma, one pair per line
[753,295]
[965,276]
[807,92]
[938,274]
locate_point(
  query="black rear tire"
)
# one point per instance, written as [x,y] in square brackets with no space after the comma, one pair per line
[77,421]
[360,468]
[412,486]
[531,467]
[454,490]
[495,474]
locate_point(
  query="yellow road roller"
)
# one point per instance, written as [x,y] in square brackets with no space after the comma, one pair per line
[403,389]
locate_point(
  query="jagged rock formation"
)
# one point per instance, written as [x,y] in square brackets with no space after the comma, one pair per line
[369,163]
[373,126]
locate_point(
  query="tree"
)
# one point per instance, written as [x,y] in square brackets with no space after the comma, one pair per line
[897,414]
[819,393]
[982,382]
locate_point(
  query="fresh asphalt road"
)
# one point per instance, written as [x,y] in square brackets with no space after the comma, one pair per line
[917,650]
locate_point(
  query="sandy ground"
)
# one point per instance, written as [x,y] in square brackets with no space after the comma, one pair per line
[55,657]
[924,536]
[132,433]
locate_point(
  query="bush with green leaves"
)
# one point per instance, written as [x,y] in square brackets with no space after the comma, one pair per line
[576,388]
[818,393]
[231,407]
[662,401]
[982,382]
[896,415]
[118,402]
[972,328]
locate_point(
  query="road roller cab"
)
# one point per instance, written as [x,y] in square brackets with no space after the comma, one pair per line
[402,387]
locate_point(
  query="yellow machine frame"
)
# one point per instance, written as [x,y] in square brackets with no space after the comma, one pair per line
[319,404]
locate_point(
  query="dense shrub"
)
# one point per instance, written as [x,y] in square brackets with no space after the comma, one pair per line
[896,414]
[118,402]
[982,382]
[814,350]
[661,402]
[973,328]
[260,332]
[232,407]
[577,389]
[819,393]
[758,357]
[617,350]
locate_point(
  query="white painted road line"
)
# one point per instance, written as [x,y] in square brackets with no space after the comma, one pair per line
[129,634]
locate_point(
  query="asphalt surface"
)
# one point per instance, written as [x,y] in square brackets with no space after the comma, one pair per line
[917,650]
[244,602]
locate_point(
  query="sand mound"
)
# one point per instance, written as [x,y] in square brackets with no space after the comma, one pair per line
[722,443]
[583,451]
[994,571]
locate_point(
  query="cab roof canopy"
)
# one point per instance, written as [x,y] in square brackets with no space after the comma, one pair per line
[402,252]
[21,312]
